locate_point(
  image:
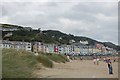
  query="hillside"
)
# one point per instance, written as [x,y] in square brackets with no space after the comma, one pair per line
[10,26]
[111,45]
[50,36]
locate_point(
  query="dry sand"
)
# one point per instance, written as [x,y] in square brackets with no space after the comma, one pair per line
[78,69]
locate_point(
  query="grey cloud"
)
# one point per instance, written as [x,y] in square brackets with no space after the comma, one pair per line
[95,20]
[95,8]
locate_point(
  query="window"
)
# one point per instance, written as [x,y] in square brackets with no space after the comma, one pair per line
[29,47]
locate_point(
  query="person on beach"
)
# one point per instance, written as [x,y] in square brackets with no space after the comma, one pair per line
[68,58]
[104,59]
[114,60]
[94,60]
[107,60]
[81,58]
[97,61]
[110,67]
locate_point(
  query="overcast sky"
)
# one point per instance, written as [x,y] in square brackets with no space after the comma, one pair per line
[97,20]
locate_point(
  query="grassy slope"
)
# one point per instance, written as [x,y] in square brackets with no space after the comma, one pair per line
[17,63]
[45,61]
[57,57]
[21,64]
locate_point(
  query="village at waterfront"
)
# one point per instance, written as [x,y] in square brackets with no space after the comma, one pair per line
[73,49]
[79,54]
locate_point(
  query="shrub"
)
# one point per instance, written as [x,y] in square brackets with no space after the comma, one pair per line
[45,60]
[63,57]
[57,57]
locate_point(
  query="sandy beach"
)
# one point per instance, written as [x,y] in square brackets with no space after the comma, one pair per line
[78,69]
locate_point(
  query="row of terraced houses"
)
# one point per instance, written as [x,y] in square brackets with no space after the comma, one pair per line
[38,47]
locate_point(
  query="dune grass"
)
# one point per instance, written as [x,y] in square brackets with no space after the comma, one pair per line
[47,58]
[17,64]
[56,57]
[45,61]
[21,64]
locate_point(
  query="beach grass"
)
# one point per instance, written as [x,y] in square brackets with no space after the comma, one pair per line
[21,64]
[57,57]
[17,64]
[45,61]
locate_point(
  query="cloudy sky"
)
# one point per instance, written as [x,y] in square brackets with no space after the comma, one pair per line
[97,20]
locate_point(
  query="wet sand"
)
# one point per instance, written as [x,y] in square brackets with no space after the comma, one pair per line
[78,69]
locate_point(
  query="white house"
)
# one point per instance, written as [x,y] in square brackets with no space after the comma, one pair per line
[16,45]
[8,34]
[6,44]
[84,42]
[72,41]
[9,29]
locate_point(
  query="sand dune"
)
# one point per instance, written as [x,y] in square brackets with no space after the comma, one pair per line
[78,69]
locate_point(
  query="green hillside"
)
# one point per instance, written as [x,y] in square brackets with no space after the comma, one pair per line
[51,36]
[10,26]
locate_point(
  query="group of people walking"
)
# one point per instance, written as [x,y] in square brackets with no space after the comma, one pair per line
[96,60]
[109,63]
[106,60]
